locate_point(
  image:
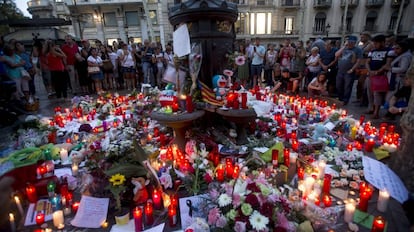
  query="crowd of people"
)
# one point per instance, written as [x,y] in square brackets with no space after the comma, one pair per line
[320,68]
[328,68]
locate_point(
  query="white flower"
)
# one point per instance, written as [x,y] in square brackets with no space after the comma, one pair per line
[166,180]
[224,200]
[258,221]
[240,187]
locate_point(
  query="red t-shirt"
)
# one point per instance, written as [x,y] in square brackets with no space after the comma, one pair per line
[70,52]
[55,63]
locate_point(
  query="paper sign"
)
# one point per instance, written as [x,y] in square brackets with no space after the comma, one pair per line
[61,172]
[329,126]
[192,207]
[379,175]
[181,41]
[41,206]
[92,212]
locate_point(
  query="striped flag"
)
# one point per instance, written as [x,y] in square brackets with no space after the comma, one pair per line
[209,95]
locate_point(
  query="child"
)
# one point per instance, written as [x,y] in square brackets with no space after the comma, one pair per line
[317,87]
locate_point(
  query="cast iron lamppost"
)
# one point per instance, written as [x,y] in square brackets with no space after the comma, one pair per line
[327,28]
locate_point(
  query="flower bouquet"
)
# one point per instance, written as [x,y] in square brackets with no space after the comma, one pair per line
[195,59]
[251,203]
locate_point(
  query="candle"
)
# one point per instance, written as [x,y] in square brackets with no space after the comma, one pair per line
[156,198]
[378,225]
[220,173]
[244,100]
[293,157]
[349,212]
[327,183]
[382,202]
[286,157]
[40,218]
[391,129]
[363,201]
[236,102]
[58,219]
[309,181]
[301,172]
[55,201]
[236,171]
[369,145]
[189,104]
[148,210]
[327,200]
[321,167]
[66,211]
[75,207]
[229,168]
[31,193]
[12,223]
[295,145]
[172,215]
[51,186]
[75,169]
[275,157]
[138,219]
[19,205]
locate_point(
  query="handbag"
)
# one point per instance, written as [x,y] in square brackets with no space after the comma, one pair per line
[107,65]
[379,83]
[93,69]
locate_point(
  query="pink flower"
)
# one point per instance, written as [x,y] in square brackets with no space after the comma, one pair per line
[213,215]
[228,72]
[228,188]
[236,200]
[240,226]
[214,194]
[166,180]
[190,147]
[240,60]
[207,178]
[282,221]
[221,222]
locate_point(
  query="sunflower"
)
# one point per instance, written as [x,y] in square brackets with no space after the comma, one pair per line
[117,179]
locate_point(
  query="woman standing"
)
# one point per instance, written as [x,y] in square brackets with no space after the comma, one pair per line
[58,73]
[94,70]
[313,65]
[81,66]
[108,68]
[159,56]
[270,61]
[127,60]
[14,66]
[243,70]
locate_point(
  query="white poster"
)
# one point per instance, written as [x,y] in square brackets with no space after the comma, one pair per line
[379,175]
[92,212]
[181,41]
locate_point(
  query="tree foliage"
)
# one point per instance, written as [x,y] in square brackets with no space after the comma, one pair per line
[8,11]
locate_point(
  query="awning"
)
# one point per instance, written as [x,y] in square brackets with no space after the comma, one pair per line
[27,36]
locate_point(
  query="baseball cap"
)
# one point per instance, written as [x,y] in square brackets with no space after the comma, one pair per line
[352,38]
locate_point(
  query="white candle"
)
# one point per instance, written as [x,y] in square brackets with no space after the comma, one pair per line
[64,155]
[293,157]
[58,219]
[67,211]
[321,167]
[19,205]
[349,212]
[309,181]
[75,169]
[12,224]
[382,202]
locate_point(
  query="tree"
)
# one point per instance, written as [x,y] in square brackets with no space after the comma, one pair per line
[8,11]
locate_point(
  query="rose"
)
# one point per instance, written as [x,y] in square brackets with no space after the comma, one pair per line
[240,226]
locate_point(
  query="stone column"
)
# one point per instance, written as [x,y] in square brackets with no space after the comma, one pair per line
[403,162]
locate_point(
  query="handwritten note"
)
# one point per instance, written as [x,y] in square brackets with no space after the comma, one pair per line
[181,41]
[92,212]
[379,175]
[41,206]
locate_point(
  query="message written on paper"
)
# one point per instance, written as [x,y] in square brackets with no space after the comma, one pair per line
[379,175]
[92,212]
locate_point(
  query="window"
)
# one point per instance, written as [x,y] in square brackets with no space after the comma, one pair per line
[132,18]
[260,23]
[261,2]
[393,20]
[88,20]
[153,16]
[240,24]
[370,21]
[320,21]
[288,25]
[348,21]
[110,19]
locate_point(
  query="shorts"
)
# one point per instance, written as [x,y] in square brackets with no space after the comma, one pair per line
[256,70]
[128,70]
[97,76]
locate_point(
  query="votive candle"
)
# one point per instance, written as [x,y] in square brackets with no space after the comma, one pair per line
[138,219]
[172,215]
[382,202]
[156,198]
[378,225]
[58,219]
[40,218]
[148,210]
[349,212]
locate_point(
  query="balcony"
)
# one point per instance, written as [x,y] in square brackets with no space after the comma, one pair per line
[371,28]
[95,2]
[284,33]
[290,4]
[321,4]
[35,5]
[349,29]
[351,3]
[374,3]
[318,31]
[397,3]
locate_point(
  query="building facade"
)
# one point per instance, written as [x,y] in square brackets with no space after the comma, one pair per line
[272,20]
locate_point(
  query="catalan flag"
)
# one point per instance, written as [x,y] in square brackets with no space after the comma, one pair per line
[209,95]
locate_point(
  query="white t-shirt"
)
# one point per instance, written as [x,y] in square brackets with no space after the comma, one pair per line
[94,60]
[317,84]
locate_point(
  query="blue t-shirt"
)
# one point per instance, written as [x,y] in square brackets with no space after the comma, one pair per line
[378,58]
[13,73]
[348,55]
[147,57]
[28,64]
[2,66]
[327,57]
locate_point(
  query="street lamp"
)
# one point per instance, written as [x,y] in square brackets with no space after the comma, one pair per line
[327,30]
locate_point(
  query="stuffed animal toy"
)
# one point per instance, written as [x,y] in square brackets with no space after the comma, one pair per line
[140,190]
[220,86]
[319,132]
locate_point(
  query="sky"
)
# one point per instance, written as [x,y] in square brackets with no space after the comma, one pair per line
[22,5]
